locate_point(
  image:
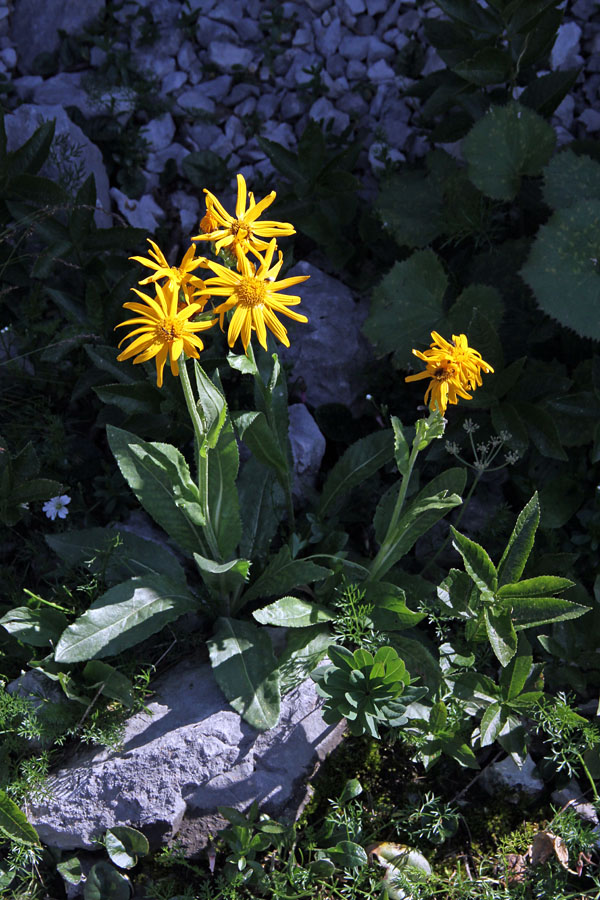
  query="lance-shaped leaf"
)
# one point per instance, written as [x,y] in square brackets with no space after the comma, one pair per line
[401,449]
[109,681]
[361,460]
[37,627]
[255,432]
[160,478]
[262,505]
[491,724]
[292,612]
[304,650]
[528,612]
[13,822]
[477,563]
[222,578]
[540,586]
[212,408]
[501,634]
[223,502]
[122,617]
[244,667]
[514,676]
[283,574]
[510,567]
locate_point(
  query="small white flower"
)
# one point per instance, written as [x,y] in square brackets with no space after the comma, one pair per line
[57,506]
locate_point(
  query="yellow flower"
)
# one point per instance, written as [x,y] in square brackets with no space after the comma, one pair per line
[243,233]
[162,330]
[454,369]
[179,276]
[254,295]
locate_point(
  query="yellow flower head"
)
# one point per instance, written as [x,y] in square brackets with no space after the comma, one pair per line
[163,330]
[242,233]
[254,296]
[179,276]
[454,368]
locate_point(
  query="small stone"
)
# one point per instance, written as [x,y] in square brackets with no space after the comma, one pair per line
[195,98]
[591,119]
[208,31]
[353,104]
[228,56]
[64,89]
[239,92]
[217,88]
[323,110]
[97,57]
[565,111]
[304,38]
[330,38]
[234,132]
[506,774]
[380,72]
[9,57]
[248,30]
[156,162]
[379,50]
[353,46]
[390,17]
[188,209]
[267,105]
[381,156]
[356,70]
[308,448]
[336,65]
[173,81]
[35,26]
[280,132]
[376,7]
[246,107]
[564,53]
[159,132]
[318,6]
[356,7]
[143,213]
[433,62]
[365,25]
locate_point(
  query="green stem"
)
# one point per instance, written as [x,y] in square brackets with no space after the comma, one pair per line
[380,564]
[446,540]
[201,461]
[589,778]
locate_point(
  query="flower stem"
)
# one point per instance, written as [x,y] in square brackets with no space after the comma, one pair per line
[463,508]
[380,564]
[201,461]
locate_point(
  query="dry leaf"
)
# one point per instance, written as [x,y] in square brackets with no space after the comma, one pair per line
[544,845]
[516,867]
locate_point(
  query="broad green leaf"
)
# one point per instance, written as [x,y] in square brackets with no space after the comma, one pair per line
[105,358]
[475,17]
[352,788]
[104,882]
[37,627]
[542,430]
[455,592]
[476,691]
[124,845]
[291,612]
[546,92]
[262,505]
[411,293]
[112,682]
[429,429]
[491,724]
[529,612]
[516,554]
[70,869]
[283,574]
[438,717]
[418,660]
[507,143]
[540,586]
[14,824]
[160,478]
[122,617]
[31,155]
[409,206]
[563,262]
[140,398]
[244,667]
[255,432]
[457,749]
[361,460]
[501,634]
[115,554]
[348,855]
[401,449]
[569,178]
[490,65]
[223,578]
[505,417]
[514,676]
[242,363]
[390,612]
[223,502]
[304,650]
[212,408]
[477,563]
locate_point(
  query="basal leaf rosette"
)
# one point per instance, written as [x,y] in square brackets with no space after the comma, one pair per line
[563,268]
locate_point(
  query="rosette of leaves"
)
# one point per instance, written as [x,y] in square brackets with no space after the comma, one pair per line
[365,689]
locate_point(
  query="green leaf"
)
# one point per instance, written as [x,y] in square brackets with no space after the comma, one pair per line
[124,845]
[243,664]
[563,262]
[409,205]
[70,869]
[401,450]
[529,612]
[37,627]
[546,92]
[291,612]
[212,408]
[31,155]
[160,478]
[361,460]
[38,190]
[242,363]
[115,554]
[475,17]
[514,676]
[283,574]
[477,563]
[122,617]
[457,749]
[140,398]
[106,883]
[14,824]
[428,429]
[507,143]
[505,417]
[223,578]
[520,544]
[255,432]
[390,612]
[304,650]
[352,789]
[112,682]
[490,65]
[348,855]
[501,634]
[411,293]
[569,178]
[223,502]
[262,505]
[284,160]
[438,717]
[540,586]
[542,430]
[491,724]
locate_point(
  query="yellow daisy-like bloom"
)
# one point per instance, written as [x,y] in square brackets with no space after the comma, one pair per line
[454,368]
[242,233]
[163,330]
[179,276]
[254,295]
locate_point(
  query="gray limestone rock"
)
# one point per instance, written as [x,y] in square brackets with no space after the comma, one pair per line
[34,26]
[308,448]
[187,755]
[143,213]
[329,351]
[564,54]
[506,774]
[74,157]
[228,56]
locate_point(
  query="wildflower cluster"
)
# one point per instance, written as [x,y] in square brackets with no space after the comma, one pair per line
[167,325]
[485,452]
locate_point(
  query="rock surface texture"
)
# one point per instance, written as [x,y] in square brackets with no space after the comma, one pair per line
[189,755]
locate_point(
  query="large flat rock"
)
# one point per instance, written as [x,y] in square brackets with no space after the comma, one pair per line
[189,754]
